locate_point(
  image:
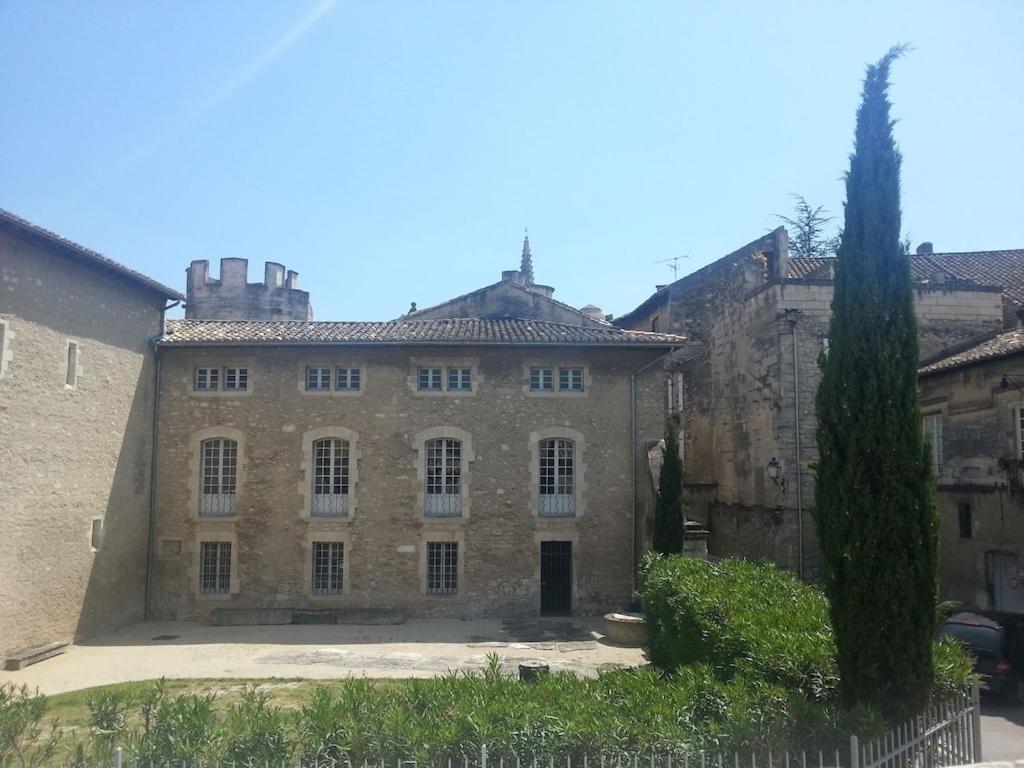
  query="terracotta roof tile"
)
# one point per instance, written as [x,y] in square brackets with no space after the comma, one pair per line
[991,347]
[453,331]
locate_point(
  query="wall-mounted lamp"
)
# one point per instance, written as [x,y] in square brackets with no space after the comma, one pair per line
[1007,381]
[774,470]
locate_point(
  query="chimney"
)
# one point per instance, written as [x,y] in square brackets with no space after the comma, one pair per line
[925,249]
[592,311]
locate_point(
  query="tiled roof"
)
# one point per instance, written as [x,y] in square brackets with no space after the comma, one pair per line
[991,347]
[454,331]
[1004,269]
[81,253]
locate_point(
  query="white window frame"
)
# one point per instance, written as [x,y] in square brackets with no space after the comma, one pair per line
[429,378]
[444,565]
[542,378]
[571,378]
[541,368]
[340,510]
[444,509]
[335,568]
[235,378]
[332,502]
[1019,429]
[219,477]
[206,379]
[931,426]
[315,380]
[226,378]
[444,377]
[228,544]
[347,379]
[6,346]
[443,456]
[555,511]
[556,472]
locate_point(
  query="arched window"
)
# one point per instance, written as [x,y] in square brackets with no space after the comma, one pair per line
[557,496]
[330,477]
[219,477]
[443,496]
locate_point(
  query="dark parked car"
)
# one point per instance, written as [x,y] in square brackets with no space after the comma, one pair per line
[997,647]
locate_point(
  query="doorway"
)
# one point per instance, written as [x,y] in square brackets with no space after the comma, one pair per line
[555,578]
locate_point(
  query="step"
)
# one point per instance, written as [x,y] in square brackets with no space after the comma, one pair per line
[28,656]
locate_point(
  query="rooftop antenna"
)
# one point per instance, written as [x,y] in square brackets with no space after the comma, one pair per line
[673,264]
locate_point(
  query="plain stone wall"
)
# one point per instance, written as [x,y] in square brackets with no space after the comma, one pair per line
[71,455]
[977,431]
[385,537]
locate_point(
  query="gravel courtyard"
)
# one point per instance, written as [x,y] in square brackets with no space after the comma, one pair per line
[418,648]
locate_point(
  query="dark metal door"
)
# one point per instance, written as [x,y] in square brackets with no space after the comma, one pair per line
[555,578]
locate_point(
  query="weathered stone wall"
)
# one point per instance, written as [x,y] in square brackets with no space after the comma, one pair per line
[385,536]
[978,428]
[232,297]
[71,455]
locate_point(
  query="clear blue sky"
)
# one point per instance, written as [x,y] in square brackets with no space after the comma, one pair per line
[393,151]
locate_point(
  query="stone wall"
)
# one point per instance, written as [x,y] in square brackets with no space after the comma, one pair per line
[72,455]
[232,297]
[386,533]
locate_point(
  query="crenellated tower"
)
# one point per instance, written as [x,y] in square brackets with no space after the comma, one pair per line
[232,297]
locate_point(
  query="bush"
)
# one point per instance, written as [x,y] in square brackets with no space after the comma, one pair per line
[24,741]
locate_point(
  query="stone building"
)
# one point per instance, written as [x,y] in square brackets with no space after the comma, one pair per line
[744,385]
[972,401]
[477,458]
[76,420]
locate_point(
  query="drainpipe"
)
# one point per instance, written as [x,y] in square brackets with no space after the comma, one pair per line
[634,443]
[791,317]
[155,432]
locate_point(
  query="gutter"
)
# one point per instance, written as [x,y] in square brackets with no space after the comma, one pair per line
[792,316]
[673,345]
[155,432]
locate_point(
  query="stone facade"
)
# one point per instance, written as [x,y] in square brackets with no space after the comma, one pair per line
[386,530]
[232,297]
[76,416]
[748,380]
[974,421]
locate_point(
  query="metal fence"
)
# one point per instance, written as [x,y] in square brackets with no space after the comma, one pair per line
[948,734]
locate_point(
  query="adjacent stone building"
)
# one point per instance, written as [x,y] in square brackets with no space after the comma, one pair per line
[972,399]
[77,394]
[744,386]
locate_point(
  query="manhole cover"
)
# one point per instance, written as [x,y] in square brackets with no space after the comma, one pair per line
[165,637]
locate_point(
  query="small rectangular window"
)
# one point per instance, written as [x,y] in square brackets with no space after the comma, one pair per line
[72,374]
[966,520]
[328,567]
[318,379]
[96,534]
[570,379]
[460,379]
[215,567]
[542,379]
[442,567]
[347,379]
[236,379]
[429,379]
[932,428]
[207,379]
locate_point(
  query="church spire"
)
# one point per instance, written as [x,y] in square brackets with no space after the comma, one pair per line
[526,266]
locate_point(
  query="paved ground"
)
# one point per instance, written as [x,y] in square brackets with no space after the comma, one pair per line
[1002,730]
[418,648]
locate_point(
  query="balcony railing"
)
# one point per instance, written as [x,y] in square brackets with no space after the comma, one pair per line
[442,505]
[217,505]
[1014,476]
[557,505]
[330,505]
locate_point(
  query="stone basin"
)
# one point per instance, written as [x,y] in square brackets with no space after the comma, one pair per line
[626,629]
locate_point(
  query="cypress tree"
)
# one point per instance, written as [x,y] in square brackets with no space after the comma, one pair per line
[875,510]
[668,510]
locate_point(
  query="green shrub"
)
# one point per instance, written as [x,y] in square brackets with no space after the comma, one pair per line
[254,733]
[24,741]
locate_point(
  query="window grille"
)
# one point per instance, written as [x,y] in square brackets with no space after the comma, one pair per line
[933,430]
[460,379]
[442,567]
[220,467]
[429,379]
[347,378]
[215,567]
[330,477]
[318,379]
[570,379]
[557,497]
[207,379]
[72,375]
[328,567]
[236,379]
[542,379]
[444,478]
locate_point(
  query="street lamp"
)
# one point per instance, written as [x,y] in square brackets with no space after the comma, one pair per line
[775,473]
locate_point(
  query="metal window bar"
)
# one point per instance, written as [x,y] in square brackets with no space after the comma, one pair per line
[318,379]
[330,477]
[442,567]
[236,379]
[557,494]
[429,379]
[541,379]
[328,567]
[570,379]
[220,469]
[443,497]
[215,567]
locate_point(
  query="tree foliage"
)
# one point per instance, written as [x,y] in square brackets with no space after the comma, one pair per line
[668,511]
[875,510]
[807,230]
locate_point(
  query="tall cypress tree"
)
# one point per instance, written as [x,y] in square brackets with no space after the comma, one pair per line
[668,510]
[875,509]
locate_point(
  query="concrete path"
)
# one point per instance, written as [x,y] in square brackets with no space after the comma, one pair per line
[418,648]
[1002,730]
